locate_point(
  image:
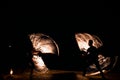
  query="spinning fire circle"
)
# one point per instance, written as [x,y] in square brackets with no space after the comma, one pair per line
[42,44]
[106,63]
[45,44]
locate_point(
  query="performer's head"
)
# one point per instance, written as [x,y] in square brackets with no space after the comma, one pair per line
[90,43]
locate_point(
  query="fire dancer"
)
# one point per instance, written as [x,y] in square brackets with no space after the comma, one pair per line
[92,57]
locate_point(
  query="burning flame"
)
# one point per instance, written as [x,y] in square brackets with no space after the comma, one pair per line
[39,63]
[83,38]
[82,41]
[43,43]
[11,71]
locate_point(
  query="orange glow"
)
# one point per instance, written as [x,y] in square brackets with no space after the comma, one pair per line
[82,41]
[83,38]
[43,43]
[38,62]
[11,71]
[95,73]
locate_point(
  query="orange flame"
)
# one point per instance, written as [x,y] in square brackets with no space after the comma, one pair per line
[11,71]
[43,43]
[83,38]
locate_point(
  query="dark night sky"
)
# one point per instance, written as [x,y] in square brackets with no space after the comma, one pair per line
[61,29]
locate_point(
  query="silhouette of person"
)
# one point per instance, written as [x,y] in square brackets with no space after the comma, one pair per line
[92,57]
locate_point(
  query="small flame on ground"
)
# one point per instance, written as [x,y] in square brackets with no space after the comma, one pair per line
[11,71]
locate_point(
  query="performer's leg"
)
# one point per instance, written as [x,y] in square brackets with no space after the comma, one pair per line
[99,68]
[85,64]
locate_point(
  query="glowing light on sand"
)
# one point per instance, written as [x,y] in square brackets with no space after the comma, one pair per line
[95,73]
[11,71]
